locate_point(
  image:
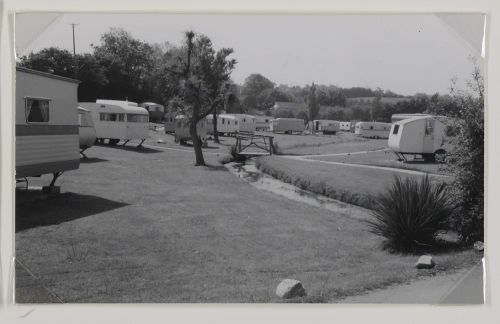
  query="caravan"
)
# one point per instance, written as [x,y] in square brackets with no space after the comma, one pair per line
[156,111]
[345,126]
[372,129]
[263,122]
[232,123]
[182,133]
[398,117]
[287,125]
[86,130]
[116,120]
[326,126]
[421,135]
[47,138]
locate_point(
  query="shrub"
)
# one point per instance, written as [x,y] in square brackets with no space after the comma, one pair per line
[410,213]
[467,159]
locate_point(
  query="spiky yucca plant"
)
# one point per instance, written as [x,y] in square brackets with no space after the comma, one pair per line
[410,213]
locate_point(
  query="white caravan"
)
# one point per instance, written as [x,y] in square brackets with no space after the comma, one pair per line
[232,123]
[263,122]
[86,130]
[398,117]
[422,135]
[117,120]
[247,123]
[46,124]
[372,129]
[326,126]
[345,126]
[287,125]
[182,133]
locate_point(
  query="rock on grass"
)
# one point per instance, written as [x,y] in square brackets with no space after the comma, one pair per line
[290,288]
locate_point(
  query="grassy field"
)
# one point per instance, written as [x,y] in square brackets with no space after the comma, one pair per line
[386,159]
[146,226]
[348,184]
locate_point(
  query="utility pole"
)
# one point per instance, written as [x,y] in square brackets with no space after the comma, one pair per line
[73,26]
[74,51]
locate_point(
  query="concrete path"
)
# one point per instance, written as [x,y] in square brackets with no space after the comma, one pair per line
[469,290]
[463,287]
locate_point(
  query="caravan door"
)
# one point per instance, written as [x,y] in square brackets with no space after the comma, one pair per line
[428,142]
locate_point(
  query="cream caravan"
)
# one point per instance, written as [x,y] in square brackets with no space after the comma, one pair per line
[46,124]
[422,135]
[232,123]
[372,129]
[86,130]
[263,122]
[116,120]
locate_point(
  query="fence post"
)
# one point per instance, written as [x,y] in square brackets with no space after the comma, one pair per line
[271,146]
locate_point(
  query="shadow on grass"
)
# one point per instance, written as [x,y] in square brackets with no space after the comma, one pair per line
[210,167]
[138,149]
[203,147]
[92,160]
[34,209]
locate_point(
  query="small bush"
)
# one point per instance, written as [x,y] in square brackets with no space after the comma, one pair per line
[410,214]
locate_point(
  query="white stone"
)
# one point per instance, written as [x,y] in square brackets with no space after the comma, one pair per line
[290,288]
[425,262]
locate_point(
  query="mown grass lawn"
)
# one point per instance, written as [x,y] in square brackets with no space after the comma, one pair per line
[386,159]
[354,185]
[148,226]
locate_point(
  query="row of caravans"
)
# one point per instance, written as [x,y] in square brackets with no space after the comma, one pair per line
[227,124]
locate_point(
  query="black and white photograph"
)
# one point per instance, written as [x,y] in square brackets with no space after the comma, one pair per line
[249,158]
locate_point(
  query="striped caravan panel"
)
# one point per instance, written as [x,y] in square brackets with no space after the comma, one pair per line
[46,149]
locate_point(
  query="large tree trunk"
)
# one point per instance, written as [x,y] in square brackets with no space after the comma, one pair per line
[214,119]
[196,141]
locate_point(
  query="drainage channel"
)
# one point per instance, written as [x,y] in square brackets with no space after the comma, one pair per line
[248,172]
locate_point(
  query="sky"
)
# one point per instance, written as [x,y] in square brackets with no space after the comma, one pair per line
[407,54]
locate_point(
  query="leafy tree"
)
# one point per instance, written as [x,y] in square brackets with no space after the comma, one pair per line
[129,63]
[203,77]
[61,62]
[467,159]
[254,91]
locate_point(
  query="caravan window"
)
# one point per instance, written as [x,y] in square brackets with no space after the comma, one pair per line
[137,118]
[223,120]
[111,117]
[396,129]
[37,110]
